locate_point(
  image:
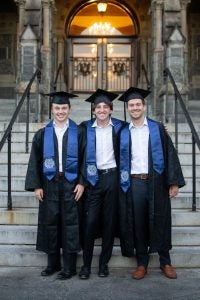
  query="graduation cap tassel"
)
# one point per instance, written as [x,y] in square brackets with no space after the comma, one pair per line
[124,111]
[91,111]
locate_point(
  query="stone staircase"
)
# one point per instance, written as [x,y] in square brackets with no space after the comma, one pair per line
[18,227]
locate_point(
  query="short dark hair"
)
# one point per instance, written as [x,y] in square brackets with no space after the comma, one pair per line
[107,103]
[143,102]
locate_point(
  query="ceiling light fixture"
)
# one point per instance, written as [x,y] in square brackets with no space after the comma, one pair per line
[101,6]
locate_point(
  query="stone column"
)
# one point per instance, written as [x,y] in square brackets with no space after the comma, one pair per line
[46,5]
[21,4]
[158,19]
[46,53]
[157,64]
[60,43]
[184,4]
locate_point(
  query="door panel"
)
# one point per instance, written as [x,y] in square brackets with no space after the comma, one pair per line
[101,63]
[118,66]
[84,67]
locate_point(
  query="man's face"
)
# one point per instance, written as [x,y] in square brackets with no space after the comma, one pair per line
[60,112]
[136,109]
[102,111]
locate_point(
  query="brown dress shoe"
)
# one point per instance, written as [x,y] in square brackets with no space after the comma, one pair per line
[169,271]
[139,273]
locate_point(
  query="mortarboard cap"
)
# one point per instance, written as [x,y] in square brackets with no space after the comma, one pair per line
[61,97]
[101,96]
[134,93]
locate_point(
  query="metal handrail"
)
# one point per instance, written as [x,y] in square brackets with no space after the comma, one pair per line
[195,137]
[7,133]
[146,77]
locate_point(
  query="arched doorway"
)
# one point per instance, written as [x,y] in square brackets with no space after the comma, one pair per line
[102,49]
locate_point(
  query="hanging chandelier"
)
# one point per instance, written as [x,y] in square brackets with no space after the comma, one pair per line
[101,28]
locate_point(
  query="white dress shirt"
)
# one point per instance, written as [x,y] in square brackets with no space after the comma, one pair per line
[59,134]
[139,148]
[105,158]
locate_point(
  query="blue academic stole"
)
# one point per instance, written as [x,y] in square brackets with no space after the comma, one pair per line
[156,150]
[49,164]
[91,167]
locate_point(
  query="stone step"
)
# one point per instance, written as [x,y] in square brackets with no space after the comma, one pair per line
[27,256]
[26,235]
[33,127]
[20,147]
[18,183]
[26,216]
[27,200]
[19,200]
[16,158]
[22,158]
[19,170]
[182,127]
[183,138]
[184,201]
[21,127]
[29,216]
[17,147]
[20,137]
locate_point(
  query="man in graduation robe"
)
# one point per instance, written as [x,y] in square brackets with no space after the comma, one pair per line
[100,147]
[53,174]
[150,174]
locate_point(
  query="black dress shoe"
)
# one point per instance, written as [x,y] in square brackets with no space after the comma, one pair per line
[103,271]
[84,273]
[50,271]
[63,275]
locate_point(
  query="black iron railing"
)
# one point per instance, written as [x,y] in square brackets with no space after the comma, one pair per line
[195,137]
[8,131]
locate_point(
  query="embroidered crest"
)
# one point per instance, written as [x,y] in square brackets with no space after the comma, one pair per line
[92,170]
[124,176]
[49,163]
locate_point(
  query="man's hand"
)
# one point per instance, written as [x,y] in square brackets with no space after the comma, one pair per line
[173,191]
[39,194]
[79,189]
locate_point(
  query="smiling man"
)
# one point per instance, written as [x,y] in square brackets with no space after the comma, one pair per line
[53,174]
[100,144]
[150,174]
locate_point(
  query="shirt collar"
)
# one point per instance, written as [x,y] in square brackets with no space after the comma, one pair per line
[109,123]
[131,125]
[66,125]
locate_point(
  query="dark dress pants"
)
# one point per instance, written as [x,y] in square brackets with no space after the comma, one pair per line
[141,223]
[60,210]
[101,209]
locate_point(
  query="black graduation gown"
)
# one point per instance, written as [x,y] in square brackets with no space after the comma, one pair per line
[159,202]
[52,233]
[83,143]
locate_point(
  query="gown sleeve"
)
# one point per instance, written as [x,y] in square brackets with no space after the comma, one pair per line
[174,171]
[34,171]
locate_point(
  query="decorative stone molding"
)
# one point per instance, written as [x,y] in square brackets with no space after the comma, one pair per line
[47,3]
[184,3]
[20,2]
